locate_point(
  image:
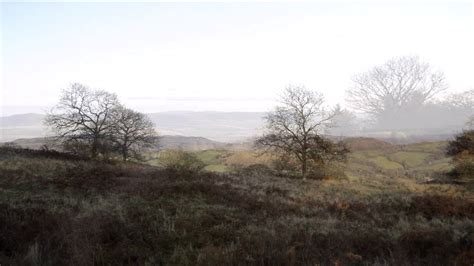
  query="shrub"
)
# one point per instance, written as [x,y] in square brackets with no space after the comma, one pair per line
[329,171]
[463,143]
[462,149]
[10,151]
[285,164]
[429,247]
[179,160]
[431,206]
[464,168]
[256,170]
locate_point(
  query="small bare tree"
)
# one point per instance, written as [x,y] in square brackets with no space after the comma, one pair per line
[83,115]
[295,127]
[132,131]
[400,84]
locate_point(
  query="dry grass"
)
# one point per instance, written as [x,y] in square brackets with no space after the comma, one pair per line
[77,212]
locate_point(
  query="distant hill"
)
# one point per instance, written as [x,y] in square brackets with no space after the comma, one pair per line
[165,142]
[22,120]
[22,126]
[217,126]
[188,143]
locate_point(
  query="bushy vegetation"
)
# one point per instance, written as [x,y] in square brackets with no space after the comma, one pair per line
[462,144]
[462,149]
[59,209]
[179,160]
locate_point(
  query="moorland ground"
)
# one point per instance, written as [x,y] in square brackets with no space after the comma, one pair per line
[61,209]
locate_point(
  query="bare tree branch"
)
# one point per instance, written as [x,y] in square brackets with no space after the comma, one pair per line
[399,84]
[84,114]
[132,131]
[295,126]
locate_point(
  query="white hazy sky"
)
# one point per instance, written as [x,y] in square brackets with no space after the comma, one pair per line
[220,56]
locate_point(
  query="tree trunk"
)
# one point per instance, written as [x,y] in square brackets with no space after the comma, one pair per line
[303,165]
[124,153]
[94,149]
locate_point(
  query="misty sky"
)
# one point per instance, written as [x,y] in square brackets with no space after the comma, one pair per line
[219,56]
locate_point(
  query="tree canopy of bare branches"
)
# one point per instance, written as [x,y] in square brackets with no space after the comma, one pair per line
[462,100]
[95,120]
[400,84]
[83,113]
[132,131]
[295,127]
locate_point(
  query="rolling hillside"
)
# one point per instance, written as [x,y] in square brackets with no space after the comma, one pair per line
[369,157]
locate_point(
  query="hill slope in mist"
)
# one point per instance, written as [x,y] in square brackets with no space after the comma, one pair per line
[22,126]
[217,126]
[164,142]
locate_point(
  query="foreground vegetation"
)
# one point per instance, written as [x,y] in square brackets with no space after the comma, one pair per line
[60,209]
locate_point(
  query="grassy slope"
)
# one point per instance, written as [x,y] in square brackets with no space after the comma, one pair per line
[416,160]
[56,210]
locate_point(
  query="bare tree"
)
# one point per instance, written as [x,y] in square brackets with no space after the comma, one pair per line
[462,100]
[132,131]
[296,126]
[400,84]
[83,114]
[460,107]
[345,123]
